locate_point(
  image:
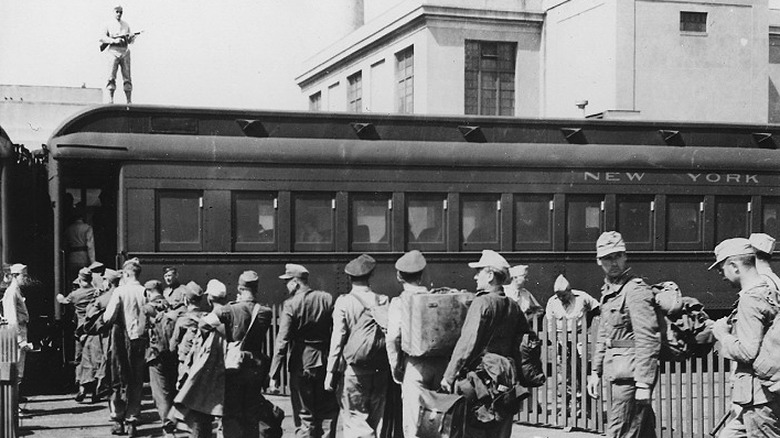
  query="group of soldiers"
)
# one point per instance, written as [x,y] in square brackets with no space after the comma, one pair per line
[183,336]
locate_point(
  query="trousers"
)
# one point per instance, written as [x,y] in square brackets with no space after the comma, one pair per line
[162,380]
[120,59]
[362,399]
[125,402]
[627,417]
[315,411]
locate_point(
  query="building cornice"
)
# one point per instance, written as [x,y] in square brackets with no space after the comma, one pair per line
[403,20]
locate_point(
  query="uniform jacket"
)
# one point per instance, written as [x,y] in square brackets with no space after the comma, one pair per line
[304,331]
[129,299]
[755,311]
[398,312]
[628,314]
[184,332]
[494,324]
[346,312]
[237,317]
[80,243]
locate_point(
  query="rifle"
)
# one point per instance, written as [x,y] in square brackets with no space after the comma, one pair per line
[124,37]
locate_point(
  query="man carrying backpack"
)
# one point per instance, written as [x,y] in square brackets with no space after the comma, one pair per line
[628,343]
[357,352]
[764,244]
[741,335]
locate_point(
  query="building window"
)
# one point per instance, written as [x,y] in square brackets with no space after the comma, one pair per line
[693,22]
[355,92]
[179,220]
[404,74]
[254,221]
[490,78]
[315,101]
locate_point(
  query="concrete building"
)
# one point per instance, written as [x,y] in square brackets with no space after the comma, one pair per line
[714,60]
[30,114]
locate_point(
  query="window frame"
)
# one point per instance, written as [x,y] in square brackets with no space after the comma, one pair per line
[178,246]
[443,200]
[693,22]
[253,246]
[481,71]
[687,245]
[634,245]
[495,199]
[355,92]
[313,246]
[404,80]
[582,197]
[387,197]
[540,245]
[732,199]
[315,101]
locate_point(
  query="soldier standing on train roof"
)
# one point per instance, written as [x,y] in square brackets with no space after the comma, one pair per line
[174,290]
[363,387]
[303,342]
[628,343]
[764,244]
[740,335]
[412,373]
[118,36]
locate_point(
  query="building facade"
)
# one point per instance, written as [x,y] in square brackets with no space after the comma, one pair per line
[712,60]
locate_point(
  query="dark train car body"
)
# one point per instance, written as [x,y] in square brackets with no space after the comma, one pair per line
[216,192]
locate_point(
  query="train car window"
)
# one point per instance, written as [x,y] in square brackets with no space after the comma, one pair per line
[732,217]
[684,222]
[427,221]
[533,220]
[254,221]
[771,216]
[479,222]
[635,220]
[180,220]
[314,219]
[370,222]
[584,221]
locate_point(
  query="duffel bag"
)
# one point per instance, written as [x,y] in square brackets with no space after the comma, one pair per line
[441,415]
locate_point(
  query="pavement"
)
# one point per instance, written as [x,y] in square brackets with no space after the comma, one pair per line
[60,416]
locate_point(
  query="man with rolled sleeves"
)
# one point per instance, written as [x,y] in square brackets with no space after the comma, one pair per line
[303,342]
[412,373]
[363,389]
[174,291]
[628,342]
[740,335]
[494,324]
[243,387]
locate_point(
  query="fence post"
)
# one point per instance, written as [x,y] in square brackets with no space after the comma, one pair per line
[9,401]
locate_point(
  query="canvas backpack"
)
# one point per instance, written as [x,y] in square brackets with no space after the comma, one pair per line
[365,346]
[441,415]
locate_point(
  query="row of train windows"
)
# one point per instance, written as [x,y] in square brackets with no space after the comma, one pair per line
[312,221]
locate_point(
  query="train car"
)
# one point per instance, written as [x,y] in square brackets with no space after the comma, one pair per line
[217,191]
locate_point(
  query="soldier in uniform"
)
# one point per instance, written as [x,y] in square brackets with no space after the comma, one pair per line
[174,290]
[740,335]
[216,294]
[494,324]
[161,362]
[304,334]
[412,373]
[764,244]
[15,312]
[243,398]
[628,342]
[363,388]
[186,328]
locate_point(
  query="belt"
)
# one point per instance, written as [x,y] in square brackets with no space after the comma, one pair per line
[620,343]
[77,249]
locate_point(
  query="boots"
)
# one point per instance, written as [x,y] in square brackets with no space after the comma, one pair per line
[128,93]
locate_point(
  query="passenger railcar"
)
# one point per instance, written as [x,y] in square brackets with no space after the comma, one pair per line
[216,192]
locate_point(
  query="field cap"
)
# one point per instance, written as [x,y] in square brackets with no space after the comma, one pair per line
[216,289]
[193,290]
[762,242]
[96,266]
[361,266]
[411,262]
[153,285]
[247,278]
[291,270]
[111,275]
[491,259]
[85,274]
[118,8]
[168,269]
[133,261]
[561,284]
[518,270]
[18,268]
[608,243]
[732,247]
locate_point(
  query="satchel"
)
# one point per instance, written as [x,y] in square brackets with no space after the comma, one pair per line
[234,353]
[441,415]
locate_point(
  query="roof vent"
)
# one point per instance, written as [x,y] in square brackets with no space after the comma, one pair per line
[472,134]
[574,135]
[365,131]
[764,140]
[252,128]
[672,138]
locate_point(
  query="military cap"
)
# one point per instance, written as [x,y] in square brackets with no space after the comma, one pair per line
[153,285]
[168,269]
[248,277]
[762,242]
[216,289]
[118,8]
[411,262]
[111,275]
[193,290]
[133,261]
[518,270]
[608,243]
[85,274]
[18,268]
[491,259]
[96,266]
[732,247]
[561,284]
[360,266]
[291,270]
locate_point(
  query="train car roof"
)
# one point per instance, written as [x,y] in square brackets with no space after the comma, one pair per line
[133,133]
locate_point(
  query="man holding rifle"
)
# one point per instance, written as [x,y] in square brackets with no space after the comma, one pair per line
[117,37]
